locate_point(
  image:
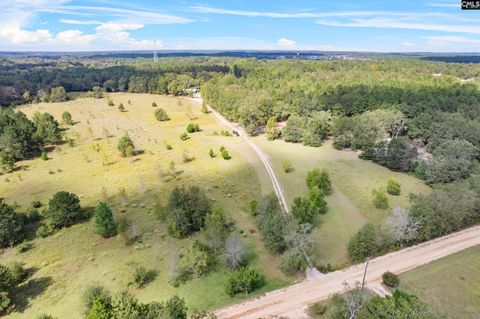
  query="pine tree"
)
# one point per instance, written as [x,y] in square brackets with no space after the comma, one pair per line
[104,223]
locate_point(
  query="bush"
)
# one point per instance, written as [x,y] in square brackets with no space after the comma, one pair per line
[110,103]
[125,146]
[184,136]
[363,244]
[161,115]
[154,104]
[380,199]
[121,108]
[319,178]
[225,154]
[390,279]
[212,153]
[168,147]
[104,223]
[287,166]
[204,108]
[67,118]
[293,262]
[44,156]
[393,187]
[193,127]
[141,276]
[63,210]
[245,281]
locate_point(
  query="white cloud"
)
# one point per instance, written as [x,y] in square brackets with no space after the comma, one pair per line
[451,38]
[385,23]
[112,27]
[73,38]
[408,44]
[81,22]
[286,43]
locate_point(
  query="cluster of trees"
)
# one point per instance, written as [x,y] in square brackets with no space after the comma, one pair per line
[353,304]
[448,208]
[99,304]
[22,138]
[10,278]
[49,80]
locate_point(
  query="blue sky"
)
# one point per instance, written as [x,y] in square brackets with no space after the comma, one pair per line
[368,25]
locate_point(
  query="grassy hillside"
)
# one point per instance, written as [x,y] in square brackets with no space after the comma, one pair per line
[350,204]
[450,285]
[67,262]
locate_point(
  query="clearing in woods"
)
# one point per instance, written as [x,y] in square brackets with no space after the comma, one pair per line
[73,258]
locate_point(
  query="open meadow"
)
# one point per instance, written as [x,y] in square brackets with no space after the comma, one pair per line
[451,285]
[73,258]
[351,202]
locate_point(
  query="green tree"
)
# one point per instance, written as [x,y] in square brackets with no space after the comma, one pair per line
[245,281]
[294,130]
[272,224]
[104,223]
[187,210]
[317,128]
[271,131]
[363,244]
[216,228]
[452,161]
[58,94]
[63,209]
[393,187]
[319,178]
[380,199]
[125,146]
[47,128]
[161,115]
[10,225]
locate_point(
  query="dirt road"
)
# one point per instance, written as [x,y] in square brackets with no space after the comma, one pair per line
[263,157]
[291,302]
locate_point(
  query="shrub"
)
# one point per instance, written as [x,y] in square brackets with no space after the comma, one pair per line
[225,154]
[287,166]
[363,244]
[121,108]
[168,147]
[110,103]
[63,209]
[390,279]
[380,199]
[235,254]
[212,153]
[141,276]
[393,187]
[204,108]
[320,179]
[161,115]
[293,262]
[245,281]
[154,104]
[184,136]
[104,223]
[67,118]
[193,127]
[125,146]
[44,156]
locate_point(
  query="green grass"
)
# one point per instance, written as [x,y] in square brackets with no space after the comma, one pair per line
[67,262]
[350,204]
[451,285]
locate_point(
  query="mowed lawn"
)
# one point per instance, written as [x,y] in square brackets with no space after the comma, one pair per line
[350,204]
[67,262]
[451,285]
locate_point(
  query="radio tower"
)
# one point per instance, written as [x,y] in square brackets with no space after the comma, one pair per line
[154,50]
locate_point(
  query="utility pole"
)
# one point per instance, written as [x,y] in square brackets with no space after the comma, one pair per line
[154,50]
[365,275]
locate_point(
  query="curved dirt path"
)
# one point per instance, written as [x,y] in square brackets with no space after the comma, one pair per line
[263,157]
[291,302]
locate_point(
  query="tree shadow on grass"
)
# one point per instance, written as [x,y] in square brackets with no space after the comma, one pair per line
[28,291]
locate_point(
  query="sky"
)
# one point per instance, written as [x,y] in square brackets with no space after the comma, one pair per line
[335,25]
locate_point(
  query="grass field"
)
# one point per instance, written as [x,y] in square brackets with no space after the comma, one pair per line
[74,258]
[450,285]
[350,204]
